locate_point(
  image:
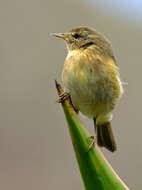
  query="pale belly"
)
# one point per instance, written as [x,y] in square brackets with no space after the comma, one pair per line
[91,93]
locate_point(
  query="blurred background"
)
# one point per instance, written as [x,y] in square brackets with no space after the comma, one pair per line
[35,146]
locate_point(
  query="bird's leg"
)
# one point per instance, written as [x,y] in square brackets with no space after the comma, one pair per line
[93,141]
[63,97]
[93,138]
[75,109]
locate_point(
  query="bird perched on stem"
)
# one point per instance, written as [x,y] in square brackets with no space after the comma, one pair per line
[90,76]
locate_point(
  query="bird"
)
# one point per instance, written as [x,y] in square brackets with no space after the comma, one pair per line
[90,76]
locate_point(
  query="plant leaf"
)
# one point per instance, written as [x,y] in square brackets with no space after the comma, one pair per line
[96,172]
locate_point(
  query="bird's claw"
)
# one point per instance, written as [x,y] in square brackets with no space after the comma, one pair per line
[63,97]
[93,141]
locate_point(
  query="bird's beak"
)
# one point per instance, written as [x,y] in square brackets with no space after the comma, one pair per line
[59,35]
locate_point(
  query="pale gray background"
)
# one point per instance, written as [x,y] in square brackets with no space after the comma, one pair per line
[35,146]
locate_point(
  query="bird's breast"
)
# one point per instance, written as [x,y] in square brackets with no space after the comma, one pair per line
[76,72]
[90,83]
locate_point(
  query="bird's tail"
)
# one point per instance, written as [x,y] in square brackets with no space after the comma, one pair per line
[105,136]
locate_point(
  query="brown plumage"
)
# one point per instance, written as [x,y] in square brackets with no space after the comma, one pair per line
[105,136]
[90,75]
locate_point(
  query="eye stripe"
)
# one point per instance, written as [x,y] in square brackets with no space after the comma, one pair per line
[87,44]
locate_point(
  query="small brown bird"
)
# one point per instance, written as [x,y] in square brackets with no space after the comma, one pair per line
[90,76]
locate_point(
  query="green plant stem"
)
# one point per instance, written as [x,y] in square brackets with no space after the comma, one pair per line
[96,172]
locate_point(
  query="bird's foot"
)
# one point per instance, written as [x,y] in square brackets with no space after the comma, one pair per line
[93,141]
[63,97]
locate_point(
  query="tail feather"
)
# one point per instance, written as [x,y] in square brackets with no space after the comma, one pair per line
[105,136]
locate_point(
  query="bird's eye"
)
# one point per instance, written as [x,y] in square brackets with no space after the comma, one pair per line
[76,36]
